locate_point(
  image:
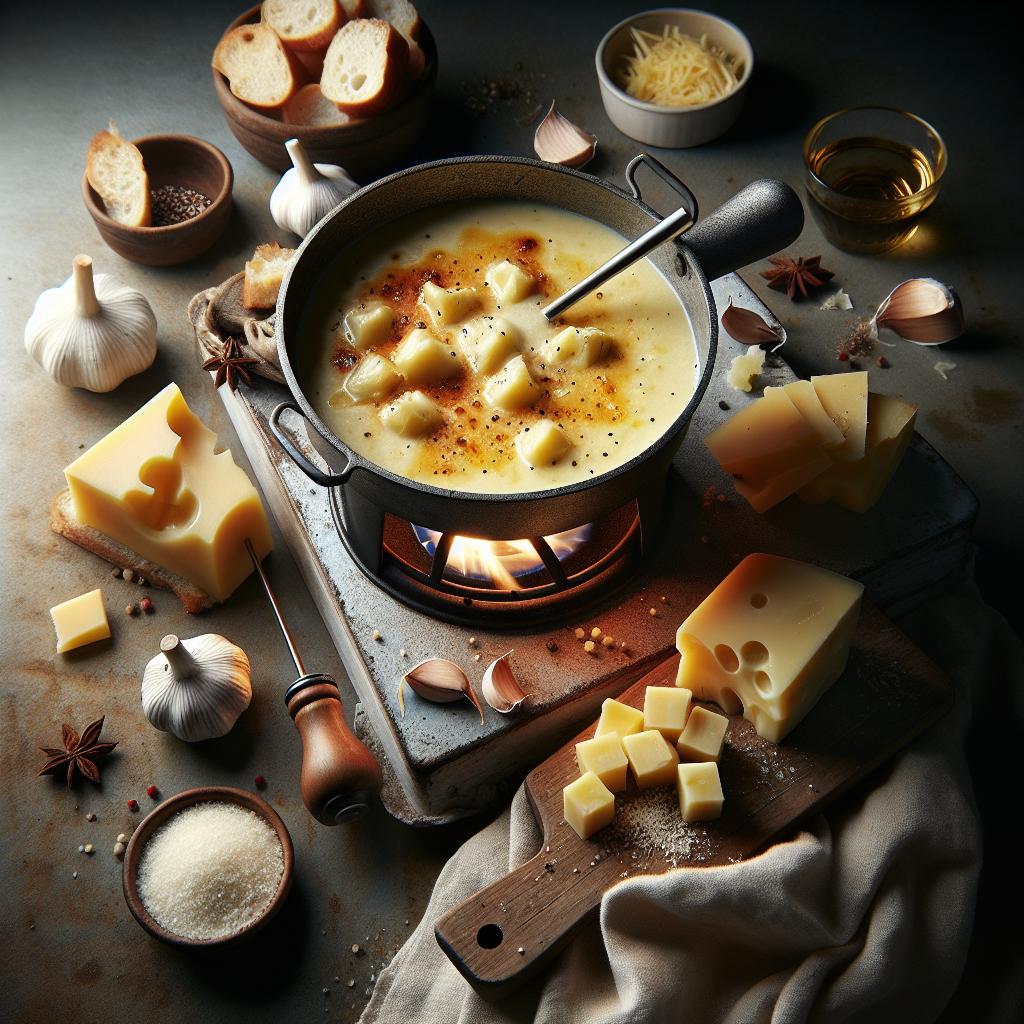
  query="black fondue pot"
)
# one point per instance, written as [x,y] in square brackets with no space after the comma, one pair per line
[761,219]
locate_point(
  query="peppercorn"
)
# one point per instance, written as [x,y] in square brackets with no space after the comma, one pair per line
[152,792]
[843,357]
[133,805]
[146,604]
[882,362]
[260,781]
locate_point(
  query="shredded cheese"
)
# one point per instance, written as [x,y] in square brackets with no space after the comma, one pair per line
[675,70]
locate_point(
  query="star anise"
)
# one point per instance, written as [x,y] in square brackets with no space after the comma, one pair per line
[80,753]
[230,365]
[799,275]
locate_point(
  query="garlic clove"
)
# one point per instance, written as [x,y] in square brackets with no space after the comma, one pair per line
[307,192]
[441,681]
[500,687]
[922,310]
[750,328]
[558,141]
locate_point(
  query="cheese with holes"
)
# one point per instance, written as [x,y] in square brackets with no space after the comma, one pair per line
[845,398]
[700,791]
[771,638]
[543,444]
[604,756]
[489,342]
[369,325]
[858,485]
[512,387]
[619,718]
[652,758]
[371,378]
[157,484]
[703,736]
[83,620]
[447,306]
[588,805]
[413,414]
[423,359]
[509,282]
[666,709]
[576,346]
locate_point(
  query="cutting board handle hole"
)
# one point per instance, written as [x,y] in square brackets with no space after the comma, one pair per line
[490,936]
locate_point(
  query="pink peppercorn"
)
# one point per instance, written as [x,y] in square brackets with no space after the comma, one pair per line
[151,792]
[843,357]
[146,605]
[133,805]
[260,781]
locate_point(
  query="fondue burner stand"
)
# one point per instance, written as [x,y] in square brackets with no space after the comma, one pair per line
[392,595]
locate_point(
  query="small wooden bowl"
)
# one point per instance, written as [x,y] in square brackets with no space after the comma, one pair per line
[158,817]
[362,147]
[171,160]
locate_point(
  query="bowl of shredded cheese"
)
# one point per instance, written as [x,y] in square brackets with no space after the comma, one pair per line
[674,77]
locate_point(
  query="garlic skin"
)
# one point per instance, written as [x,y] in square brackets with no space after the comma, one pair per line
[750,328]
[307,192]
[196,689]
[923,311]
[500,687]
[441,681]
[91,332]
[559,141]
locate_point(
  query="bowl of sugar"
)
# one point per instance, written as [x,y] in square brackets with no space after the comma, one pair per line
[208,867]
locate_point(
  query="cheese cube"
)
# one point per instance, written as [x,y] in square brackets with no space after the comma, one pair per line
[588,805]
[156,485]
[744,368]
[703,736]
[619,718]
[845,398]
[543,444]
[771,638]
[858,485]
[604,756]
[446,306]
[802,394]
[489,342]
[371,378]
[412,414]
[508,282]
[700,791]
[369,324]
[83,620]
[423,359]
[511,387]
[763,496]
[576,346]
[652,759]
[666,709]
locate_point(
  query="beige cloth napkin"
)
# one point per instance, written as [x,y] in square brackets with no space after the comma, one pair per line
[865,916]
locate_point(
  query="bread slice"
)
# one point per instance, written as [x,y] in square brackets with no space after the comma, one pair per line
[263,275]
[400,13]
[310,106]
[64,521]
[365,67]
[303,25]
[260,69]
[353,9]
[115,170]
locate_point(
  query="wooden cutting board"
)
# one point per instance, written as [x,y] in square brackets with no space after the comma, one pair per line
[889,694]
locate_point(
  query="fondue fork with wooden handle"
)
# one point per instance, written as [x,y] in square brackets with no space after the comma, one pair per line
[340,778]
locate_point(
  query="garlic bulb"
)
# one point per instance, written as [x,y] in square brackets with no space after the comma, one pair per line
[307,192]
[197,688]
[500,687]
[92,332]
[441,681]
[558,141]
[921,310]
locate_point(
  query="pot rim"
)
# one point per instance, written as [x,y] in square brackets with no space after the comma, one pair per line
[357,461]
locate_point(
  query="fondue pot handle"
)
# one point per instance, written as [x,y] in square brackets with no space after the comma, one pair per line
[284,439]
[646,160]
[757,222]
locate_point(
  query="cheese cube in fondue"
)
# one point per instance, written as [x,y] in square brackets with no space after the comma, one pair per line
[604,756]
[372,377]
[845,398]
[652,759]
[508,282]
[447,306]
[771,638]
[412,414]
[489,342]
[587,805]
[511,387]
[576,346]
[423,359]
[543,444]
[368,325]
[619,718]
[700,791]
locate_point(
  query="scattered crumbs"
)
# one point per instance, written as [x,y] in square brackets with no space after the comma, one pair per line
[90,816]
[377,636]
[552,646]
[402,654]
[648,828]
[473,642]
[942,369]
[521,951]
[652,612]
[595,633]
[575,871]
[351,983]
[356,949]
[590,647]
[74,874]
[580,634]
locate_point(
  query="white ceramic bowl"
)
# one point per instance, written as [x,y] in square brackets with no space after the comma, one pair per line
[671,127]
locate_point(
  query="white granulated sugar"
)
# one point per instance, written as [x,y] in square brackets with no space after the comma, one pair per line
[210,870]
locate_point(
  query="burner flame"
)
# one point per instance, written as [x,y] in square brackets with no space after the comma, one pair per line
[501,561]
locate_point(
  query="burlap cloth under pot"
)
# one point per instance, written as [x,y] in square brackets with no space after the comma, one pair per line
[865,916]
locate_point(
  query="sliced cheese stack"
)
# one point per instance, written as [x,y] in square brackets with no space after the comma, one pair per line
[815,438]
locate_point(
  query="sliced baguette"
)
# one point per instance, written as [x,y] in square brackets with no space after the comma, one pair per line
[115,170]
[260,69]
[64,521]
[313,62]
[365,67]
[303,25]
[310,106]
[353,9]
[400,13]
[263,275]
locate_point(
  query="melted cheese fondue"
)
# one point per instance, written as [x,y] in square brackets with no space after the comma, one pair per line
[425,350]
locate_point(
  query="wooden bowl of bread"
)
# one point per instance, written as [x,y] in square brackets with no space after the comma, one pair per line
[123,179]
[352,80]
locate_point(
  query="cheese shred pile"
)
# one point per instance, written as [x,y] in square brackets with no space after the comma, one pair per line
[675,70]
